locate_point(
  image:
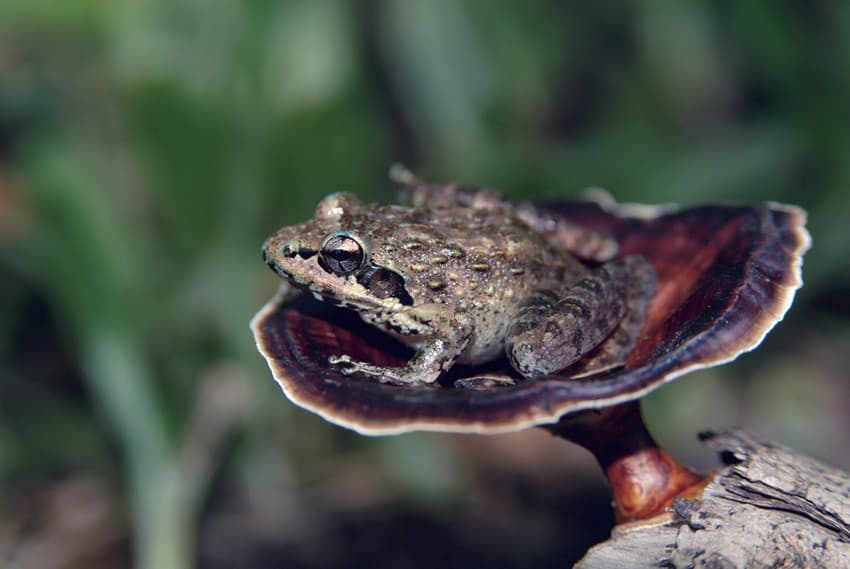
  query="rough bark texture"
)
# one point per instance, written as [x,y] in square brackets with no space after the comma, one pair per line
[768,507]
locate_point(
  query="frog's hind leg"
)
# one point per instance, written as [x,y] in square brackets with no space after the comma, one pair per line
[602,314]
[612,352]
[567,236]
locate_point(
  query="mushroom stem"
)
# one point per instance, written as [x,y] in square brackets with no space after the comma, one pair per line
[644,479]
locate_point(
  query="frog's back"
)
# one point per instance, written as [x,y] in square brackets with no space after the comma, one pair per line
[483,263]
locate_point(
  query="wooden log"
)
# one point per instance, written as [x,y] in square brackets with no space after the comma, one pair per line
[767,507]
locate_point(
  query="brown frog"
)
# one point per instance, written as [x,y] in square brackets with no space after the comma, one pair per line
[464,275]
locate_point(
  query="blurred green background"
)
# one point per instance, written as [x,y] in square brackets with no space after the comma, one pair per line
[147,149]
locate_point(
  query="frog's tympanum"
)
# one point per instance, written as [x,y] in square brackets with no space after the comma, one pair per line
[466,276]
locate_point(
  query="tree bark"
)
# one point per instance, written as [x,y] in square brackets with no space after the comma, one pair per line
[767,507]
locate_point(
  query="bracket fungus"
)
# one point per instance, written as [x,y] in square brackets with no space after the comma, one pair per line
[726,275]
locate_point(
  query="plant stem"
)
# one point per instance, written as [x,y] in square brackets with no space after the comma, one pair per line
[161,517]
[644,479]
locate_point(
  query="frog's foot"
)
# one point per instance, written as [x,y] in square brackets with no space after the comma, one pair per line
[384,374]
[485,382]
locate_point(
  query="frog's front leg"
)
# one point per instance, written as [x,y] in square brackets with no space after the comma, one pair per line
[600,315]
[438,352]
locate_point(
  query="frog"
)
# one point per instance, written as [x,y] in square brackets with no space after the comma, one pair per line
[464,275]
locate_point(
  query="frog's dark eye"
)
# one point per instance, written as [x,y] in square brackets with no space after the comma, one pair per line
[343,253]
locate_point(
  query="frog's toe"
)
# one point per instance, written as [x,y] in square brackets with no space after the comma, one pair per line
[531,360]
[346,365]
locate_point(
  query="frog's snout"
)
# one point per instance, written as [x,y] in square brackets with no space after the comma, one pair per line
[272,250]
[268,259]
[292,249]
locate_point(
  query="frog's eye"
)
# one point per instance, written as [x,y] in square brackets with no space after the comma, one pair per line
[343,253]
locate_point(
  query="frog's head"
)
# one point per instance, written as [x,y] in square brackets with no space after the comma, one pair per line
[331,257]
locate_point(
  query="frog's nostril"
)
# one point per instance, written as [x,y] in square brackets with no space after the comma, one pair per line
[288,250]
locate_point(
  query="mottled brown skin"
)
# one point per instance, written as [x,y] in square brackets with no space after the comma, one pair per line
[464,275]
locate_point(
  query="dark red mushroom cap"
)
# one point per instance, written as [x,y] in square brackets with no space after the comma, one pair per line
[727,275]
